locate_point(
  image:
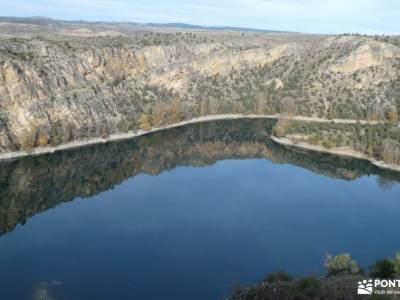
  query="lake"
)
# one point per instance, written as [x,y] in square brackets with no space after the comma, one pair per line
[187,213]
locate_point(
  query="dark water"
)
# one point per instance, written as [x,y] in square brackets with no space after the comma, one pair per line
[185,214]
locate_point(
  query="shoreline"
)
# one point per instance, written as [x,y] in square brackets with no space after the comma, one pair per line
[9,156]
[346,152]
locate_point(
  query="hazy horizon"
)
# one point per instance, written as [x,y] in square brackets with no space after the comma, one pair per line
[308,16]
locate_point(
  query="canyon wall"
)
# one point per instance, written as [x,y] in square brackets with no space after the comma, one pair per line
[76,82]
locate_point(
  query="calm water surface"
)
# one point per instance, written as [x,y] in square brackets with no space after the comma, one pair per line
[185,214]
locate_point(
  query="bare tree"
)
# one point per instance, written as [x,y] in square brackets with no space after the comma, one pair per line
[175,110]
[158,114]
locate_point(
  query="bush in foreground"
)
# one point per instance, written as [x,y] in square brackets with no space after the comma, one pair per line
[341,264]
[340,282]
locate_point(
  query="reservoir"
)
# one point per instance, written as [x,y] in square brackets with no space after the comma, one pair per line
[186,213]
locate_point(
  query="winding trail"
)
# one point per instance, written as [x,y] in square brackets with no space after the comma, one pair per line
[340,151]
[132,134]
[324,120]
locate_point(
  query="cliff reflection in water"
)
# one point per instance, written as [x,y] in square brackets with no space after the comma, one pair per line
[32,185]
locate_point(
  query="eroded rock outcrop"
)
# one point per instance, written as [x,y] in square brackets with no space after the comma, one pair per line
[74,81]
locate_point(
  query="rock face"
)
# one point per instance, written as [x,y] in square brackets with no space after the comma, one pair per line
[55,95]
[80,81]
[366,55]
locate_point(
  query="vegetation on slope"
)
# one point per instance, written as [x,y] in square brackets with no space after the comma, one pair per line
[339,282]
[381,140]
[99,79]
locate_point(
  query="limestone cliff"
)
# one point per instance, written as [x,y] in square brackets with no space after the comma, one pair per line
[74,82]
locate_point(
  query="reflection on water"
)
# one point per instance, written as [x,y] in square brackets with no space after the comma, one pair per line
[214,213]
[35,184]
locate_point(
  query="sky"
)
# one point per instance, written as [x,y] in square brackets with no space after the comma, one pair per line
[313,16]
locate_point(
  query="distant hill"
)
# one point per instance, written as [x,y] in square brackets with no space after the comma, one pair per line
[49,21]
[223,28]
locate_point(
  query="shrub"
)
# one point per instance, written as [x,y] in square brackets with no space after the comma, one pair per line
[158,114]
[281,128]
[308,288]
[117,80]
[175,111]
[279,276]
[384,268]
[42,140]
[144,122]
[123,125]
[27,139]
[397,262]
[392,116]
[327,144]
[341,264]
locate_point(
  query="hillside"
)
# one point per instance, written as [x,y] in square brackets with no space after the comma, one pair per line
[64,81]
